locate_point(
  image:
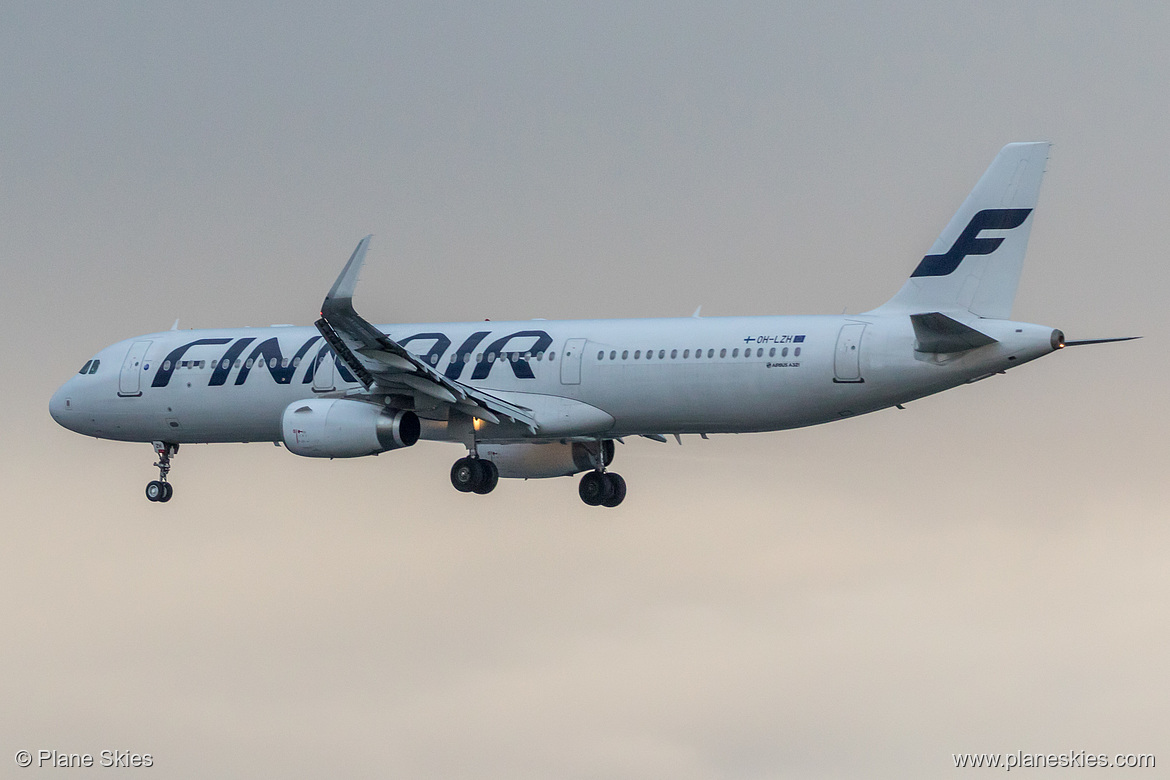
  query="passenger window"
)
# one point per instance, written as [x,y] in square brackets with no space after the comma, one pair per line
[796,353]
[601,355]
[772,352]
[661,354]
[686,354]
[637,354]
[85,368]
[625,354]
[673,354]
[711,353]
[784,352]
[760,352]
[735,352]
[723,353]
[613,354]
[552,356]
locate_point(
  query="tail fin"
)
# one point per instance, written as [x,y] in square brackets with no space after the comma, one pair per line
[967,269]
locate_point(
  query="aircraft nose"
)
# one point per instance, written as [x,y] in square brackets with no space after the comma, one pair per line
[61,405]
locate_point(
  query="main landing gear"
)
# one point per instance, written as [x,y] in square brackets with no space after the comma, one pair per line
[159,489]
[602,488]
[473,475]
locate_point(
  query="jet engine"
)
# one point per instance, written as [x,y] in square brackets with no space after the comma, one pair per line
[554,459]
[343,428]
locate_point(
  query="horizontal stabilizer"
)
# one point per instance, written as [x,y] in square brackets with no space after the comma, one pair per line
[936,332]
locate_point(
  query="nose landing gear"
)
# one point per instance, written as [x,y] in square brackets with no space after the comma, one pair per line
[159,489]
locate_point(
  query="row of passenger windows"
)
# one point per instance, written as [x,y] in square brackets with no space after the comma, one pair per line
[686,353]
[613,355]
[90,367]
[226,364]
[490,357]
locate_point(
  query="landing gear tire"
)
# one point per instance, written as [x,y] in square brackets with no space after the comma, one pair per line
[168,491]
[155,490]
[490,477]
[472,475]
[595,489]
[619,489]
[466,474]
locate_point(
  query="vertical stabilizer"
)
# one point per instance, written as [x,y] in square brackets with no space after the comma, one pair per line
[975,264]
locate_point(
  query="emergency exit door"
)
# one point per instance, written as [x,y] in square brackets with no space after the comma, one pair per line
[847,361]
[571,362]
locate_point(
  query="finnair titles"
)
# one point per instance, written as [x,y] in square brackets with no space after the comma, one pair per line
[549,398]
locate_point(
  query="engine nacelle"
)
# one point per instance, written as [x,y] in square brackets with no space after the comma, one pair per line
[343,428]
[538,461]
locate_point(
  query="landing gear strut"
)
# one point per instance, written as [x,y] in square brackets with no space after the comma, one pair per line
[159,489]
[473,475]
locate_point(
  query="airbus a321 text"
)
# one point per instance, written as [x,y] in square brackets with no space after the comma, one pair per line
[549,398]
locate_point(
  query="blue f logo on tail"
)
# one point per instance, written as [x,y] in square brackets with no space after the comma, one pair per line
[969,243]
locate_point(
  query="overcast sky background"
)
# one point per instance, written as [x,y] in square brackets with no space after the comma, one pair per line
[983,572]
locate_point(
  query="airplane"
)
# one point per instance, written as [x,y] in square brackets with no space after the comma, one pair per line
[541,399]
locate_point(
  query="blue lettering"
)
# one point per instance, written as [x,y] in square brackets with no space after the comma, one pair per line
[162,377]
[268,354]
[520,365]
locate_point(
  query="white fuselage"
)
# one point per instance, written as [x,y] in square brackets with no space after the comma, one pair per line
[583,378]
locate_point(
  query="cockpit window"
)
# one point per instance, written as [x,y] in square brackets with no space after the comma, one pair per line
[85,368]
[94,366]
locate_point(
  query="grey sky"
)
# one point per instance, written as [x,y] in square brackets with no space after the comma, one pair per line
[982,572]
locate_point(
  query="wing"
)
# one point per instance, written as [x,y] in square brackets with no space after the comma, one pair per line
[386,367]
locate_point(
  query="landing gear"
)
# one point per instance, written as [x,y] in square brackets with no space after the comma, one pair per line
[473,475]
[602,488]
[159,489]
